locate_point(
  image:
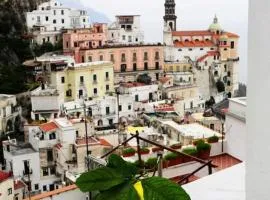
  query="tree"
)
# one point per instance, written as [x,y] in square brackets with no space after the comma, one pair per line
[220,86]
[144,78]
[119,180]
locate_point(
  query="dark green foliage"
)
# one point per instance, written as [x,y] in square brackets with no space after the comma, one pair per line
[151,163]
[129,151]
[116,182]
[171,156]
[213,139]
[198,142]
[144,78]
[154,189]
[190,151]
[220,86]
[202,146]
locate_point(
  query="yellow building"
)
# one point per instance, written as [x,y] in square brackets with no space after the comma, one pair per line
[85,80]
[177,67]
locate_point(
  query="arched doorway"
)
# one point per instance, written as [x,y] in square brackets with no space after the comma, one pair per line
[100,122]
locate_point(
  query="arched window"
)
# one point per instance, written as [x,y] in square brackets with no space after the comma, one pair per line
[229,74]
[229,83]
[186,40]
[216,73]
[197,40]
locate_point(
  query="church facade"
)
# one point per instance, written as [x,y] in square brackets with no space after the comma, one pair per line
[212,49]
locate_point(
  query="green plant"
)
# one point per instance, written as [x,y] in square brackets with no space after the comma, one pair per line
[171,156]
[137,164]
[144,150]
[119,181]
[129,151]
[151,162]
[213,139]
[196,142]
[192,151]
[202,146]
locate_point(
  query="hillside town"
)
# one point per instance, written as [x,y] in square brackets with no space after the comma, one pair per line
[109,91]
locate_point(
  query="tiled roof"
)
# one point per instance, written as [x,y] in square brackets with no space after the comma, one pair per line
[209,53]
[164,79]
[135,84]
[192,33]
[4,176]
[53,193]
[105,142]
[19,184]
[224,161]
[194,44]
[48,127]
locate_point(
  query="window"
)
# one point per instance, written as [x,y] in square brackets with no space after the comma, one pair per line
[47,18]
[44,188]
[145,56]
[123,37]
[134,66]
[212,126]
[80,93]
[229,83]
[67,44]
[107,75]
[229,74]
[112,57]
[107,110]
[45,172]
[136,97]
[232,45]
[95,91]
[157,65]
[54,12]
[62,79]
[69,93]
[123,57]
[26,167]
[107,87]
[62,12]
[9,191]
[89,58]
[211,48]
[101,57]
[36,117]
[129,39]
[36,187]
[54,21]
[134,57]
[201,49]
[52,170]
[38,19]
[123,67]
[49,155]
[146,66]
[95,78]
[63,21]
[120,108]
[157,55]
[52,136]
[129,107]
[190,49]
[81,79]
[179,49]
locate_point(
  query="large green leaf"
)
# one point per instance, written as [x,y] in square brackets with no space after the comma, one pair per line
[126,169]
[99,179]
[156,188]
[124,191]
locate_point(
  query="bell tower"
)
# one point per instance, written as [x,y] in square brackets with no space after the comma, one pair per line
[170,17]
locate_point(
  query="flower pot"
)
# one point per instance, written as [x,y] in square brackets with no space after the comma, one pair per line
[128,154]
[156,149]
[165,164]
[175,161]
[176,146]
[204,155]
[144,153]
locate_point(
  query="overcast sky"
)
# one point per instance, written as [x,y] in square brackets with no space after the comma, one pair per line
[192,15]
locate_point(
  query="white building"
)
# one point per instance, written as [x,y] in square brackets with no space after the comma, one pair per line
[23,161]
[51,17]
[9,113]
[236,130]
[6,186]
[45,103]
[103,111]
[126,30]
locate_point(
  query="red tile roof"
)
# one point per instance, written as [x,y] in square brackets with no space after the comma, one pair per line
[232,35]
[164,79]
[193,44]
[209,53]
[192,33]
[48,127]
[4,176]
[105,142]
[224,161]
[131,85]
[19,184]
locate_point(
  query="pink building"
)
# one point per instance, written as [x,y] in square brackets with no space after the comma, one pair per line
[85,38]
[129,60]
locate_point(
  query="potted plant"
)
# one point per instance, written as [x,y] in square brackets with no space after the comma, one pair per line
[144,151]
[157,149]
[203,150]
[128,152]
[198,141]
[213,139]
[173,159]
[176,146]
[136,163]
[192,151]
[151,163]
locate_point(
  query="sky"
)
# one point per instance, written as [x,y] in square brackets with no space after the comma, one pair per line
[192,15]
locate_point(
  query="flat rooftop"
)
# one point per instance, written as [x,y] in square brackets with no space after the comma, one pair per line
[200,117]
[241,100]
[194,130]
[222,185]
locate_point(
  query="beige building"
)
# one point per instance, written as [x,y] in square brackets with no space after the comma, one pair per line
[85,80]
[9,113]
[211,122]
[6,186]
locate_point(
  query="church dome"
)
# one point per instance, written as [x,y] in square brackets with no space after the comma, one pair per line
[215,26]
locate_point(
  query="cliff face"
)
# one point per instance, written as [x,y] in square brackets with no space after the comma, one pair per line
[13,49]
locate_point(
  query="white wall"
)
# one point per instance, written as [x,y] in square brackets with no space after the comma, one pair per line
[4,186]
